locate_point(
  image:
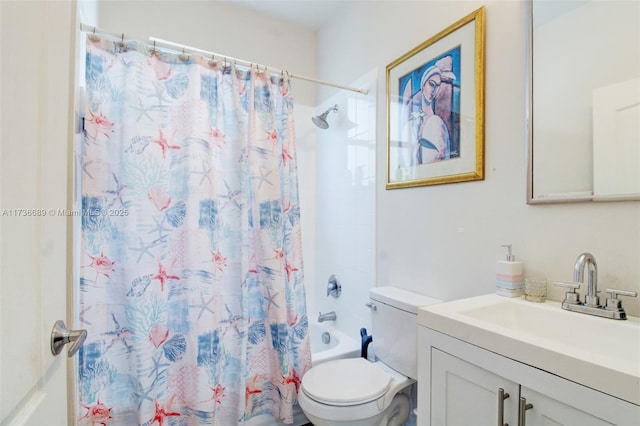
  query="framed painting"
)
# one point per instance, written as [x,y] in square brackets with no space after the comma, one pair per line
[435,108]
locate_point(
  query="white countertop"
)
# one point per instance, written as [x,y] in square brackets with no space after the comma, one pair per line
[600,353]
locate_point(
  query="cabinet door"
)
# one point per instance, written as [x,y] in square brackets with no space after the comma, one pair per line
[548,411]
[464,394]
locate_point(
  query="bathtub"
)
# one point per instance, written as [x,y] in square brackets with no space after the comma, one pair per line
[340,345]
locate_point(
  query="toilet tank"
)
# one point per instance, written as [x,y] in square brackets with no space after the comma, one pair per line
[394,327]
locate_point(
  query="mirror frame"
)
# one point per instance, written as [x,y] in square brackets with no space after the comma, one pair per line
[559,197]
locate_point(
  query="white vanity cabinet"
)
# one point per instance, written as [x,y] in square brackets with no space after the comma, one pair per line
[464,394]
[462,384]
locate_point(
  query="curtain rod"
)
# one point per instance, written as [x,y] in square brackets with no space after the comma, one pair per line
[188,49]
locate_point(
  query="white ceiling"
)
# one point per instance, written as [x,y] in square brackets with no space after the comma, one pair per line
[310,14]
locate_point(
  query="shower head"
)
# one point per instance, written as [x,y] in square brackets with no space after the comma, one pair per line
[321,120]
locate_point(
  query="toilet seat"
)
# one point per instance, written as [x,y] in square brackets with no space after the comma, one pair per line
[346,382]
[366,407]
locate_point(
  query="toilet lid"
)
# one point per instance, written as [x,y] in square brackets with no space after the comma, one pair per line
[345,381]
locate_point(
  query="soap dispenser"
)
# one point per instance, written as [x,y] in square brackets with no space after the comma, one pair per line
[509,275]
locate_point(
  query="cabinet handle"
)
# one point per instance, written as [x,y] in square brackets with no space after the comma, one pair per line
[522,411]
[502,395]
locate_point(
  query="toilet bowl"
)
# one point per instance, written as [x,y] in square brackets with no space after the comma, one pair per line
[355,392]
[359,392]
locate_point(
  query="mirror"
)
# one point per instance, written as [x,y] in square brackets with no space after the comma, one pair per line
[584,101]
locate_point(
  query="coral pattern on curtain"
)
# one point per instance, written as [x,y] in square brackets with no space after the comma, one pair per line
[191,283]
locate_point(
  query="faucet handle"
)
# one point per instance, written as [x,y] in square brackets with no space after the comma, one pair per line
[570,297]
[613,304]
[572,285]
[334,288]
[615,293]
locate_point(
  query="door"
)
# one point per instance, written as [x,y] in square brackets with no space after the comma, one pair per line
[35,139]
[616,130]
[465,394]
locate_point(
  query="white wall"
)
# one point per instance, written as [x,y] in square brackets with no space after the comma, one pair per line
[444,240]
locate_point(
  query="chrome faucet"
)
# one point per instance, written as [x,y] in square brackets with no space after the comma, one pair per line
[329,316]
[587,261]
[613,308]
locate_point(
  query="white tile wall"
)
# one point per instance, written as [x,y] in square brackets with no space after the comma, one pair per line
[345,206]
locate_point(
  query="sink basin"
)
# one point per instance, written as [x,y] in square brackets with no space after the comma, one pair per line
[601,353]
[597,336]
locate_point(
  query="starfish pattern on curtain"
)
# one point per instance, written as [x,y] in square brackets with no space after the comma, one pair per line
[191,276]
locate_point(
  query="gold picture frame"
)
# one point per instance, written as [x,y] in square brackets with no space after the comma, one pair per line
[435,108]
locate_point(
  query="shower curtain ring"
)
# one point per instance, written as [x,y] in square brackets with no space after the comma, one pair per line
[93,36]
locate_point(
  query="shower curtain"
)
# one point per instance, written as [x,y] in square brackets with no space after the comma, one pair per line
[191,278]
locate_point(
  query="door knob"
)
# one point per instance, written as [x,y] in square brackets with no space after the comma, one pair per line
[61,335]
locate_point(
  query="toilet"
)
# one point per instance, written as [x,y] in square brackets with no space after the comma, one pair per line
[359,392]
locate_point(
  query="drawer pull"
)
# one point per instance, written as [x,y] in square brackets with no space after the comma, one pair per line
[523,411]
[502,395]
